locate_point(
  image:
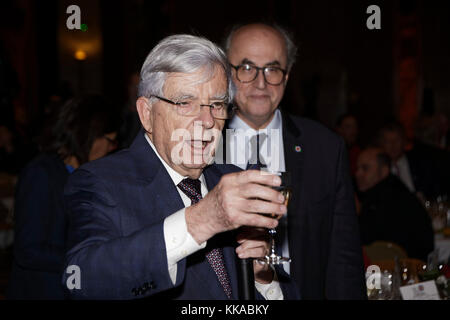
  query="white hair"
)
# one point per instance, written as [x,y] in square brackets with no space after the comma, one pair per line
[182,53]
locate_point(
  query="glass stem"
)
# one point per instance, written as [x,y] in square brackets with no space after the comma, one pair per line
[272,233]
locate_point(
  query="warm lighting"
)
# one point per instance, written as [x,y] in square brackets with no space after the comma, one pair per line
[80,55]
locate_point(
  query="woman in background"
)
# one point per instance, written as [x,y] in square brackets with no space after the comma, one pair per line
[85,130]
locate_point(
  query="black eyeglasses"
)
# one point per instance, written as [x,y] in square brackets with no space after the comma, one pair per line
[191,109]
[247,73]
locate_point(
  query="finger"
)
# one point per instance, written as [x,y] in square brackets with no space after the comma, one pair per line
[250,244]
[257,252]
[253,190]
[259,177]
[264,207]
[257,220]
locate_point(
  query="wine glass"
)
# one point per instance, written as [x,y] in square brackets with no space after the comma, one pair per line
[285,189]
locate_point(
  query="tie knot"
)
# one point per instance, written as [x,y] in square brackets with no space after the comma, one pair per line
[191,188]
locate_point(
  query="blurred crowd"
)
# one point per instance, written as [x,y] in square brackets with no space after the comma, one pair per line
[396,180]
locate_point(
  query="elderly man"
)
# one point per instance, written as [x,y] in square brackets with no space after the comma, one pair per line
[320,233]
[142,221]
[389,211]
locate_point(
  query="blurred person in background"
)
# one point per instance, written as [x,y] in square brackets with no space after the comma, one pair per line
[389,211]
[131,123]
[347,128]
[85,130]
[421,169]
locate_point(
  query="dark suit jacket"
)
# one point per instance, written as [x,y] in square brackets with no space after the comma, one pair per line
[40,231]
[117,206]
[429,170]
[323,231]
[390,212]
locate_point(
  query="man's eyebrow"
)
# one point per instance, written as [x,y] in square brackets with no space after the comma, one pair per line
[182,95]
[271,63]
[222,96]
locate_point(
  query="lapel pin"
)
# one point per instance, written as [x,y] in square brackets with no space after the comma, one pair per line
[298,149]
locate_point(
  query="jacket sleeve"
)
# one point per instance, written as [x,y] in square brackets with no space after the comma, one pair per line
[111,265]
[345,269]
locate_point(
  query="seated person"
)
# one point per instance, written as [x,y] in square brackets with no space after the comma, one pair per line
[389,211]
[422,169]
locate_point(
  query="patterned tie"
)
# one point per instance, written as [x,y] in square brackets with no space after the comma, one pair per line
[192,189]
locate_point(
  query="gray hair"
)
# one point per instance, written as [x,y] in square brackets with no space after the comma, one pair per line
[291,48]
[185,54]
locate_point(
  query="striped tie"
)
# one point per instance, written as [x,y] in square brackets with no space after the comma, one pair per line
[192,189]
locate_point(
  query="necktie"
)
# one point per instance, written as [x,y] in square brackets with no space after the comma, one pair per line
[192,189]
[255,143]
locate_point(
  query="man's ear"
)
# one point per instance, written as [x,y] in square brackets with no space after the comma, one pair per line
[286,77]
[144,109]
[385,171]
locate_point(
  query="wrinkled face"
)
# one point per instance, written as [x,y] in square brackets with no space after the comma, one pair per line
[393,144]
[348,130]
[186,143]
[368,171]
[103,145]
[260,46]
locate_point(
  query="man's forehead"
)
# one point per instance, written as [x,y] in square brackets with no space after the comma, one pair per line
[190,83]
[258,42]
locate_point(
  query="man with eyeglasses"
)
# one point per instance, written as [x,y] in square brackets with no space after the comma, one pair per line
[157,219]
[320,232]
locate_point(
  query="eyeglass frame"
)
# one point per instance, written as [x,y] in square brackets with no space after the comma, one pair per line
[257,73]
[229,113]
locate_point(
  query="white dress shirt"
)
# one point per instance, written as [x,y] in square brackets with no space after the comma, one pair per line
[180,243]
[401,169]
[271,150]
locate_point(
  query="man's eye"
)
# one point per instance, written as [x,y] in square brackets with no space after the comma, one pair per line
[271,70]
[184,103]
[218,105]
[246,67]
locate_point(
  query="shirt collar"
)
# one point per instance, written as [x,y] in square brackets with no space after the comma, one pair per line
[237,123]
[175,176]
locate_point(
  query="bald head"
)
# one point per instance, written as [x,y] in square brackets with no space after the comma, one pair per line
[287,39]
[372,168]
[258,47]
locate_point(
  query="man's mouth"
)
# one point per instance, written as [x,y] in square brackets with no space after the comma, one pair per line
[199,144]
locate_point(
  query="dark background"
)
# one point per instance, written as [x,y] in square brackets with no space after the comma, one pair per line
[342,65]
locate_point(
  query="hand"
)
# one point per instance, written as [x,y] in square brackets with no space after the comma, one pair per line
[254,243]
[238,200]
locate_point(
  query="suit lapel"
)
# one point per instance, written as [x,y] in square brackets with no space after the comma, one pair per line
[294,160]
[158,188]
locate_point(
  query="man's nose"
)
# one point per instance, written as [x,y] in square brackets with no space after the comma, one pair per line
[260,81]
[206,117]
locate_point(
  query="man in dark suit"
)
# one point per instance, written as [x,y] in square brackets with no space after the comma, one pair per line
[142,222]
[389,211]
[423,169]
[320,233]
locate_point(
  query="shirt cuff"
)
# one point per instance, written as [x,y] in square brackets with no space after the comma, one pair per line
[270,291]
[179,242]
